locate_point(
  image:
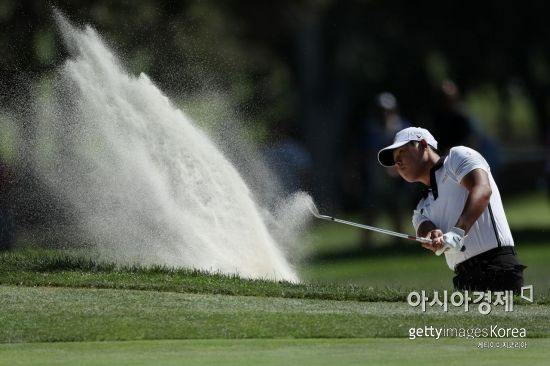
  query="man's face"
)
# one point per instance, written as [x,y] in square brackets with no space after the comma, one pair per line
[408,159]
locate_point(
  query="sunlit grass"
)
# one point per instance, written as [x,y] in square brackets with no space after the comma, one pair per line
[528,211]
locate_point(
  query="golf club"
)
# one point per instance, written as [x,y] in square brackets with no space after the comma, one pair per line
[316,213]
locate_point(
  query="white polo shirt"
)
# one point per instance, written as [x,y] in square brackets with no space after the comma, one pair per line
[491,228]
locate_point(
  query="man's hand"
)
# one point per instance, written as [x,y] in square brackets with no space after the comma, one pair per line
[453,241]
[437,240]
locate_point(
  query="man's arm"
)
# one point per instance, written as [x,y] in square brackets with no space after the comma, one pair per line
[479,194]
[425,228]
[479,188]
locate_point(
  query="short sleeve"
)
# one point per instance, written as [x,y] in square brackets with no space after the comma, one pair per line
[419,216]
[462,160]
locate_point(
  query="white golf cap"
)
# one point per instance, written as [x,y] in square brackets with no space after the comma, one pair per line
[385,156]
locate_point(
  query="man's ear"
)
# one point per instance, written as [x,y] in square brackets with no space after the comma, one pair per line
[424,144]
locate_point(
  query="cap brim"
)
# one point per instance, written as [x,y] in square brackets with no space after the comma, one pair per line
[385,156]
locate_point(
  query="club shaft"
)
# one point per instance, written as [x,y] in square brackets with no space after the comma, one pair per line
[378,230]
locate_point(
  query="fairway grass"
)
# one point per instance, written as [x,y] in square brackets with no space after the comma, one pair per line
[329,352]
[361,279]
[60,307]
[62,314]
[64,269]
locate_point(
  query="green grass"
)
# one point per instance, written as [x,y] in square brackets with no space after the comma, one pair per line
[64,269]
[421,271]
[410,266]
[528,211]
[75,299]
[62,314]
[363,279]
[158,315]
[274,352]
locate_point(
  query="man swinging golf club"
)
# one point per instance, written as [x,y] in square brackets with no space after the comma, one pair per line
[461,211]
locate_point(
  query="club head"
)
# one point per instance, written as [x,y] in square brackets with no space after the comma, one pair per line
[315,211]
[313,208]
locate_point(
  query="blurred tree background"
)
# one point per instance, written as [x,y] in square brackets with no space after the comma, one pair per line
[314,65]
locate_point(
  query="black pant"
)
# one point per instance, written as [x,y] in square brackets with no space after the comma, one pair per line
[497,269]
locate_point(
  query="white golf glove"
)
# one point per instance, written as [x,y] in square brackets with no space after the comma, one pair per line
[453,241]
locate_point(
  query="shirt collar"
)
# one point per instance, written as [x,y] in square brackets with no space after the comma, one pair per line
[433,181]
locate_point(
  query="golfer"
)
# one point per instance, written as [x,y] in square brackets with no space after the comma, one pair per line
[461,211]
